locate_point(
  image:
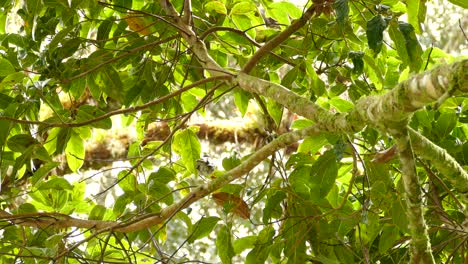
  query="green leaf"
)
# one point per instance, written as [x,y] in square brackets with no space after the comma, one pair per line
[224,245]
[88,112]
[75,152]
[342,10]
[163,175]
[203,228]
[259,253]
[445,124]
[399,41]
[244,243]
[375,29]
[186,144]
[20,142]
[313,144]
[231,162]
[6,67]
[42,171]
[341,105]
[58,38]
[356,57]
[398,215]
[413,48]
[55,184]
[461,3]
[283,11]
[33,7]
[103,31]
[216,6]
[316,85]
[126,4]
[323,174]
[241,100]
[298,179]
[160,191]
[414,9]
[11,79]
[97,213]
[127,181]
[243,7]
[110,83]
[273,206]
[390,235]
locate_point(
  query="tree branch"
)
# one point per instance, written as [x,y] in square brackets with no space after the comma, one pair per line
[120,111]
[148,220]
[280,38]
[420,243]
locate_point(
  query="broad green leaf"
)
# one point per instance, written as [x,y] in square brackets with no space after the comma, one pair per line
[313,144]
[316,84]
[416,13]
[26,208]
[341,105]
[127,181]
[231,162]
[243,8]
[186,144]
[103,31]
[244,243]
[390,235]
[224,245]
[40,173]
[342,10]
[55,184]
[241,99]
[34,7]
[88,112]
[59,37]
[6,67]
[110,83]
[323,174]
[283,11]
[123,5]
[244,22]
[161,192]
[358,63]
[272,207]
[301,123]
[413,47]
[375,29]
[164,175]
[77,87]
[12,79]
[20,142]
[202,228]
[399,41]
[461,3]
[445,124]
[75,152]
[97,213]
[299,181]
[398,215]
[259,253]
[216,6]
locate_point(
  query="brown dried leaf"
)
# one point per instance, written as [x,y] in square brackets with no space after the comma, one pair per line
[239,207]
[385,156]
[137,24]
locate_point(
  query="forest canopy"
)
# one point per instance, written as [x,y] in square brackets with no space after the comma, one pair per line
[232,131]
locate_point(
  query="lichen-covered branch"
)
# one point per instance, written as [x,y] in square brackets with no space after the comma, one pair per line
[421,252]
[148,220]
[442,160]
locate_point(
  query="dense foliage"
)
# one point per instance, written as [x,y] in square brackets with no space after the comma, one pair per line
[71,70]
